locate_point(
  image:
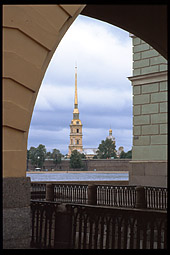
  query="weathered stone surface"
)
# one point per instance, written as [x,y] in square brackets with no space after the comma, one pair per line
[163,128]
[23,243]
[16,192]
[16,227]
[151,152]
[148,173]
[150,129]
[16,212]
[150,88]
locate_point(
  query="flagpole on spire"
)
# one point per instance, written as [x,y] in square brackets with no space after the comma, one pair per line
[76,99]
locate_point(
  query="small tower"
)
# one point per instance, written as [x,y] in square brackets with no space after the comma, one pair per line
[111,136]
[75,126]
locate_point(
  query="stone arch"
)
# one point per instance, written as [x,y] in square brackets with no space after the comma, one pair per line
[31,34]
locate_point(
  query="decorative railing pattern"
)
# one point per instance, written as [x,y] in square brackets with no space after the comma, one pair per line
[108,195]
[121,196]
[157,198]
[38,191]
[44,227]
[95,227]
[108,228]
[73,193]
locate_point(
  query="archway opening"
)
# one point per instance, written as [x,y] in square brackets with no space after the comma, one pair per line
[103,55]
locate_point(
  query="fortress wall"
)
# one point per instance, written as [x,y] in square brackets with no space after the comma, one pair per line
[90,165]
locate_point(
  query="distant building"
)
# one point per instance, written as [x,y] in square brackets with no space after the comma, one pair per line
[75,126]
[90,152]
[76,131]
[110,136]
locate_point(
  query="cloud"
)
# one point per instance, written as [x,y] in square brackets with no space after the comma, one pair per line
[99,54]
[52,97]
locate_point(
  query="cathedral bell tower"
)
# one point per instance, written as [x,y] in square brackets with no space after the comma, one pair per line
[75,126]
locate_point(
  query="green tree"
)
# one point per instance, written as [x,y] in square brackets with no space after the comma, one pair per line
[41,154]
[33,156]
[56,156]
[83,156]
[126,154]
[106,149]
[37,155]
[76,159]
[123,154]
[129,154]
[48,155]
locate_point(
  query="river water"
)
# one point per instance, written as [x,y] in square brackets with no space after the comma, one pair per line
[78,176]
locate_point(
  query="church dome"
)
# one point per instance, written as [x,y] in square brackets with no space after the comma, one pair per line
[111,136]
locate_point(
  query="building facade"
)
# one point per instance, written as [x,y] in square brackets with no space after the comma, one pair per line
[76,125]
[149,82]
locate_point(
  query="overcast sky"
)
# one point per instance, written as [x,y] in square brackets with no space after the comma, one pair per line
[103,54]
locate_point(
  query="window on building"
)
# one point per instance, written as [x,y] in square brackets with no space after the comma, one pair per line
[77,122]
[77,130]
[77,141]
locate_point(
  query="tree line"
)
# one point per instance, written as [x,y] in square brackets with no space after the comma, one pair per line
[106,150]
[38,155]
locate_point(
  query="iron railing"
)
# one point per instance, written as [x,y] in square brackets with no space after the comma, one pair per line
[96,227]
[120,196]
[156,197]
[74,193]
[108,195]
[44,229]
[38,191]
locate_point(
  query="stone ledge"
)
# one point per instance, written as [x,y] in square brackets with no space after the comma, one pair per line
[149,78]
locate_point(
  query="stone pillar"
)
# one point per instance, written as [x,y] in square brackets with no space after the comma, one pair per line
[140,197]
[64,227]
[49,192]
[92,194]
[16,213]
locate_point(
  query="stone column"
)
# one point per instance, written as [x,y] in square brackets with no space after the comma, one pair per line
[49,192]
[92,194]
[140,198]
[64,227]
[16,213]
